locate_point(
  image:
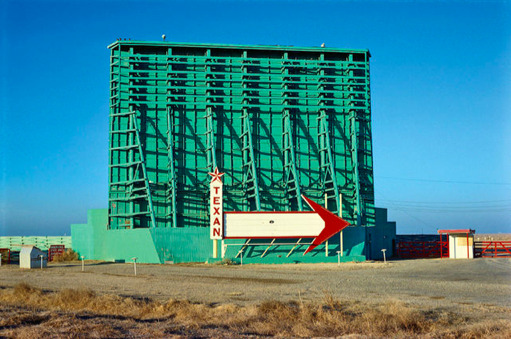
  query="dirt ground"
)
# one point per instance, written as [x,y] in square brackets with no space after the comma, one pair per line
[478,289]
[421,282]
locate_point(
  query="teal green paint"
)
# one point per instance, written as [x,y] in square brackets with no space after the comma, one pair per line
[183,244]
[178,110]
[179,245]
[382,236]
[353,243]
[42,242]
[83,240]
[112,244]
[279,121]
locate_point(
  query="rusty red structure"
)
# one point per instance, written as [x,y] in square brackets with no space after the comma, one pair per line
[6,255]
[422,249]
[55,250]
[495,249]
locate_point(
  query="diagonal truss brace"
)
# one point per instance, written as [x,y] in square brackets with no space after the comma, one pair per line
[144,170]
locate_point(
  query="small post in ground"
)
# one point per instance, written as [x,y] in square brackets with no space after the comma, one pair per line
[134,264]
[384,258]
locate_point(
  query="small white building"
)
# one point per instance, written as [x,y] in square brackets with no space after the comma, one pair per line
[461,243]
[30,257]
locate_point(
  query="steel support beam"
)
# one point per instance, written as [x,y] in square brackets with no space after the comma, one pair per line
[353,119]
[329,182]
[291,178]
[171,192]
[171,174]
[250,181]
[210,128]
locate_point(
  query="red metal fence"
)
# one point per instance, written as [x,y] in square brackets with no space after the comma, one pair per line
[422,249]
[55,250]
[493,249]
[6,255]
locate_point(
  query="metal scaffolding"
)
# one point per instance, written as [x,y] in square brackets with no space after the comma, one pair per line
[279,121]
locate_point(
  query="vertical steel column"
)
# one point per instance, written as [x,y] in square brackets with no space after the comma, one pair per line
[130,175]
[250,171]
[353,118]
[172,183]
[325,149]
[115,86]
[290,171]
[210,128]
[171,170]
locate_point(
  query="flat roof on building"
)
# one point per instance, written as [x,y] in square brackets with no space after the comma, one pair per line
[463,231]
[230,46]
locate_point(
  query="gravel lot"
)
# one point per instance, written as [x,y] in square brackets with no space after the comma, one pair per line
[429,283]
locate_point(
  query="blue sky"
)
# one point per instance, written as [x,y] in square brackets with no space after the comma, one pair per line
[441,90]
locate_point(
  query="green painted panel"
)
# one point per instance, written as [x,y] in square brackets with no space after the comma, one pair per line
[82,236]
[179,245]
[160,245]
[353,244]
[96,242]
[382,236]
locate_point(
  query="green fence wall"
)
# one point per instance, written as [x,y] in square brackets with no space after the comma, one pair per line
[179,245]
[42,242]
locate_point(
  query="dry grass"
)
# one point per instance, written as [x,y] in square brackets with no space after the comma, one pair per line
[26,311]
[68,255]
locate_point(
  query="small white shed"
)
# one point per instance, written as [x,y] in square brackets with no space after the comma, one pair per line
[461,243]
[30,257]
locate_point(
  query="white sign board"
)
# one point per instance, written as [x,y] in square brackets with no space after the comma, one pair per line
[272,225]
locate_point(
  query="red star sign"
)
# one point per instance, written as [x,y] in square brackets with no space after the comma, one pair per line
[216,175]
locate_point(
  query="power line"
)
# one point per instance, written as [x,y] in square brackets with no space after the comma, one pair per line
[447,210]
[450,206]
[446,181]
[445,202]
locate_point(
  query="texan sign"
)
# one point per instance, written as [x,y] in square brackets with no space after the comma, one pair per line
[319,224]
[215,205]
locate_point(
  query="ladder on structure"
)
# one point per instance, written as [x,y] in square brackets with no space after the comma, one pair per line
[135,187]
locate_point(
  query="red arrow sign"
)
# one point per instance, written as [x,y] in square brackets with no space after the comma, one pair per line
[319,224]
[333,224]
